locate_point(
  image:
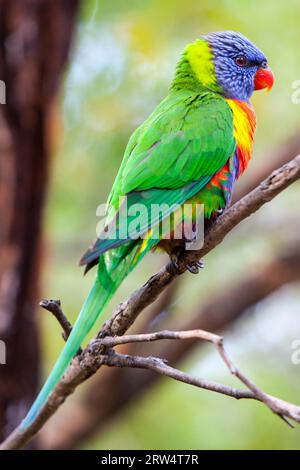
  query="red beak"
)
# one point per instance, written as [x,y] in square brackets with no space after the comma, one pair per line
[264,78]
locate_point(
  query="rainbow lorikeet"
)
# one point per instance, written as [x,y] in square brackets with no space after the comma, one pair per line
[193,147]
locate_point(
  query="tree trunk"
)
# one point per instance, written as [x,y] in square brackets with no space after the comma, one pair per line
[35,37]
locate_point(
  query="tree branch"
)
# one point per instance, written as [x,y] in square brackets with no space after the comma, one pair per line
[280,407]
[54,306]
[88,363]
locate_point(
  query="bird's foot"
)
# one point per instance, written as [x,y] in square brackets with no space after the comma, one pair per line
[193,268]
[200,263]
[174,260]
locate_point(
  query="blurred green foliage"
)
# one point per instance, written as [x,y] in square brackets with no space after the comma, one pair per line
[121,66]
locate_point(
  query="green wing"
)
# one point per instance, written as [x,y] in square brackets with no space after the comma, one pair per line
[187,137]
[170,158]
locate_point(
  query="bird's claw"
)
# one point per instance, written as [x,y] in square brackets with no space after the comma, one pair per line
[174,261]
[200,263]
[194,267]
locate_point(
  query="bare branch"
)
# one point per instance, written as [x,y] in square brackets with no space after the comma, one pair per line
[110,342]
[54,306]
[83,367]
[158,365]
[281,408]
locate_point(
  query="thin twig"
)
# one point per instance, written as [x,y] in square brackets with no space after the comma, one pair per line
[281,408]
[54,306]
[158,365]
[111,341]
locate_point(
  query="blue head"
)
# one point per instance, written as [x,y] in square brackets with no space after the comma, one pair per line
[240,67]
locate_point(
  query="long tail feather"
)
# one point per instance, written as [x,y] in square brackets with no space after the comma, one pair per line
[93,306]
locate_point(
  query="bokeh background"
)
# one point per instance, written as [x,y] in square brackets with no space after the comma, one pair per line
[122,61]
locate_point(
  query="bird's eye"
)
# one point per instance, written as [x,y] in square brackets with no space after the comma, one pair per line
[242,61]
[264,64]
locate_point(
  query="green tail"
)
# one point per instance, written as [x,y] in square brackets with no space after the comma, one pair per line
[93,306]
[107,282]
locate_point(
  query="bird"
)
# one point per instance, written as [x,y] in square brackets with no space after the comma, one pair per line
[190,150]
